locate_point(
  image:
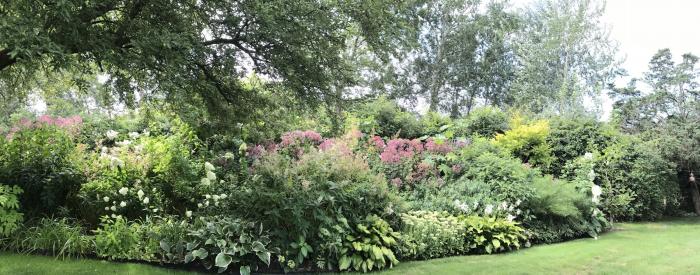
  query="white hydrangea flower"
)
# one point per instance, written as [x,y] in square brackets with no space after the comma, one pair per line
[223,196]
[113,208]
[211,175]
[104,150]
[596,191]
[146,200]
[122,204]
[207,196]
[188,214]
[199,205]
[106,208]
[205,181]
[588,156]
[510,218]
[123,143]
[116,162]
[133,135]
[208,166]
[124,190]
[106,199]
[140,193]
[114,216]
[488,210]
[215,197]
[111,134]
[155,210]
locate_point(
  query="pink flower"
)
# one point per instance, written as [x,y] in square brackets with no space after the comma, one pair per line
[378,142]
[255,151]
[397,150]
[326,144]
[45,119]
[456,168]
[298,137]
[397,182]
[438,147]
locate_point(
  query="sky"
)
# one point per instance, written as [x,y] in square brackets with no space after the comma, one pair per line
[642,27]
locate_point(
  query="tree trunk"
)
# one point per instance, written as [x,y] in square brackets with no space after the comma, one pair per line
[694,193]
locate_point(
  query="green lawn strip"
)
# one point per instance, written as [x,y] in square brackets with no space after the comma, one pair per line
[667,247]
[17,264]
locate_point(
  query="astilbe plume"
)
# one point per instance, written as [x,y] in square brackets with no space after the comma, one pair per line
[70,124]
[437,147]
[397,150]
[377,142]
[299,137]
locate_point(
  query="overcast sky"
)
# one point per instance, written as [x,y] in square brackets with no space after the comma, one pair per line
[642,27]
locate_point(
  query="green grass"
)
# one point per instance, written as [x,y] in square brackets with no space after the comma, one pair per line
[668,247]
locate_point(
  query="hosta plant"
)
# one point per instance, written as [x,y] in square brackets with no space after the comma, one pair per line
[492,235]
[222,242]
[369,247]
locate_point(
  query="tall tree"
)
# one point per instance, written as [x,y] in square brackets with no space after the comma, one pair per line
[565,54]
[463,55]
[670,111]
[194,51]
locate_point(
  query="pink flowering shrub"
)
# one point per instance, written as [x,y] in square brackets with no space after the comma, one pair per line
[296,143]
[438,146]
[300,137]
[398,150]
[69,124]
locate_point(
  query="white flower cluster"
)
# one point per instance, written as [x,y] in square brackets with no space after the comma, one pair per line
[596,191]
[505,210]
[210,175]
[212,199]
[122,198]
[111,134]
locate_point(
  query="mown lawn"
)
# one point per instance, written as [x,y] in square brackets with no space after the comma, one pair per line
[668,247]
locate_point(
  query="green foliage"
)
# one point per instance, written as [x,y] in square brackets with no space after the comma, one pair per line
[222,242]
[572,137]
[558,198]
[117,239]
[527,142]
[371,246]
[314,198]
[484,121]
[507,178]
[492,235]
[62,238]
[10,217]
[385,118]
[631,169]
[427,235]
[43,162]
[433,123]
[158,46]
